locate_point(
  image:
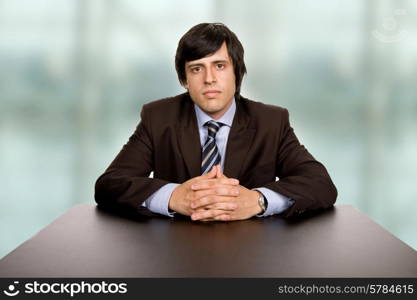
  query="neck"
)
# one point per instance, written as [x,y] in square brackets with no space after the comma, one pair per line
[217,115]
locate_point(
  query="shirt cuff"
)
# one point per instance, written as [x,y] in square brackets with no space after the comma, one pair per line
[158,202]
[277,203]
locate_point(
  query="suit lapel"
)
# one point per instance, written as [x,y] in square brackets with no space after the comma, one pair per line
[189,139]
[239,141]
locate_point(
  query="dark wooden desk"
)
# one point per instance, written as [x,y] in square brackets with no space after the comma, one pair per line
[89,242]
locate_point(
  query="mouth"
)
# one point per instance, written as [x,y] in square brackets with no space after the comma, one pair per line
[211,93]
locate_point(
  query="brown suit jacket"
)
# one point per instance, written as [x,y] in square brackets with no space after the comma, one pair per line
[261,146]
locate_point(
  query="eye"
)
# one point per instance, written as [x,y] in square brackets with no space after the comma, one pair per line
[196,69]
[220,66]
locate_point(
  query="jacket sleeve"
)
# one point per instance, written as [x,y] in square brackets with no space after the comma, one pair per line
[301,177]
[125,183]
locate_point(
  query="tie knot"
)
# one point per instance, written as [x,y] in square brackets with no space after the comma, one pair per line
[213,127]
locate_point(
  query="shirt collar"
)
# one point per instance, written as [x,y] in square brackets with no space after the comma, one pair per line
[226,119]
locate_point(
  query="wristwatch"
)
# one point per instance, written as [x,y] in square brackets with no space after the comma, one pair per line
[263,203]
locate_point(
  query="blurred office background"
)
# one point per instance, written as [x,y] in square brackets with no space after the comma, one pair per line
[74,75]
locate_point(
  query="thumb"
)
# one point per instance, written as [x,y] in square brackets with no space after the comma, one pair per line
[210,174]
[219,173]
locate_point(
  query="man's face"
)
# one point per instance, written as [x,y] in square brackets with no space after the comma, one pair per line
[211,82]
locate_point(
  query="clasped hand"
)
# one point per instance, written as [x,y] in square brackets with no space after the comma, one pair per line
[213,196]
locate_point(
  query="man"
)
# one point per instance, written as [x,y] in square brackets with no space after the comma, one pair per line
[214,154]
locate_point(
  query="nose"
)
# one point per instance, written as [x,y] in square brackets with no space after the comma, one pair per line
[210,76]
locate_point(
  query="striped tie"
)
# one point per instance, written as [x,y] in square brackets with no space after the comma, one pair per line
[211,155]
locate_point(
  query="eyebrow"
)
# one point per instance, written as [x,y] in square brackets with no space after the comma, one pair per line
[202,65]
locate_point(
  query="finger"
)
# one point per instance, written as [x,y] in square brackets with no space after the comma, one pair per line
[226,206]
[223,217]
[198,210]
[209,183]
[208,220]
[206,214]
[210,174]
[220,190]
[211,199]
[219,171]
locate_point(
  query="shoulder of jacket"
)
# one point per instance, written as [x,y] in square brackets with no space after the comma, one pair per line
[166,106]
[258,107]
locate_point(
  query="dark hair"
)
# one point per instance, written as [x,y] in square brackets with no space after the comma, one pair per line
[205,39]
